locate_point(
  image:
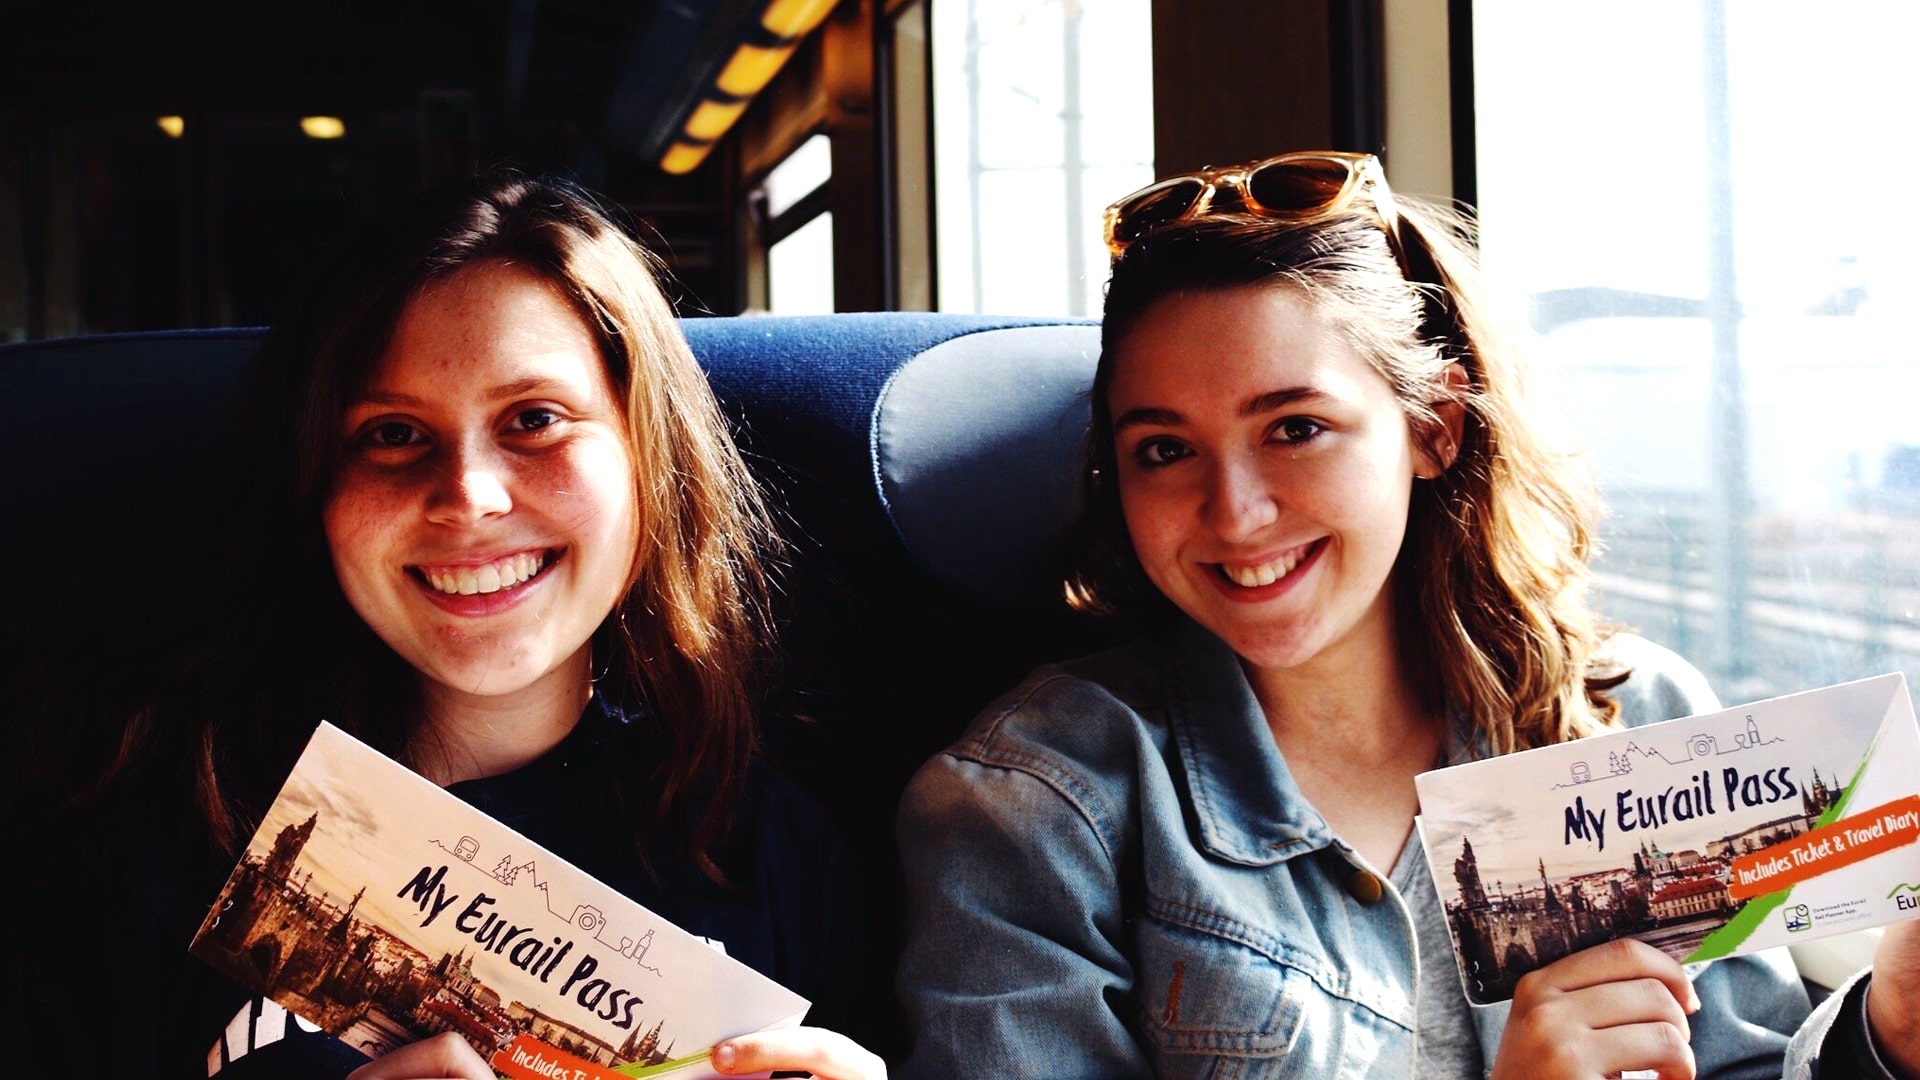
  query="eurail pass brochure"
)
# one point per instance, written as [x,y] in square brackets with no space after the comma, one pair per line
[383,910]
[1708,836]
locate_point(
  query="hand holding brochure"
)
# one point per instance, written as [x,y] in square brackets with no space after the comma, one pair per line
[1715,835]
[383,909]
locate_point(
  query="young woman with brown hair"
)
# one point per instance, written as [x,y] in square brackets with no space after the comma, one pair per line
[1314,472]
[498,529]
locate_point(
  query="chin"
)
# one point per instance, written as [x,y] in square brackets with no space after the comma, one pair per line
[1274,652]
[482,679]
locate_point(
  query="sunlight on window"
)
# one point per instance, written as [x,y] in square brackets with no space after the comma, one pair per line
[800,270]
[796,177]
[1043,114]
[1695,204]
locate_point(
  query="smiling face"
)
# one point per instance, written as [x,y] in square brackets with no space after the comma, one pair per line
[484,520]
[1264,471]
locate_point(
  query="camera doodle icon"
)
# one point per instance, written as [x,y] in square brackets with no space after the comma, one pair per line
[588,918]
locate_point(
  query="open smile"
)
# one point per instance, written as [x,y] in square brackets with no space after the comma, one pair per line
[1259,580]
[484,579]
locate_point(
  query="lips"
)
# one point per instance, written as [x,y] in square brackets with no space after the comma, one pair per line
[484,579]
[1254,580]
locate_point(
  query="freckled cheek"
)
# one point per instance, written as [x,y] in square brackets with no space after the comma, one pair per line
[1157,521]
[360,522]
[1355,490]
[591,489]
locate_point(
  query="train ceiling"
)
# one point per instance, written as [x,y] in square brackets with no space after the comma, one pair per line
[601,76]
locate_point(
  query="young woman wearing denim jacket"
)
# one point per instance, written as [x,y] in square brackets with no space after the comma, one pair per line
[1313,472]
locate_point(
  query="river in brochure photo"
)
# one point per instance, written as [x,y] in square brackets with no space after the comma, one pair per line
[382,909]
[1714,835]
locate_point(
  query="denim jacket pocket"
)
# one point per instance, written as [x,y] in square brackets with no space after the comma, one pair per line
[1218,1008]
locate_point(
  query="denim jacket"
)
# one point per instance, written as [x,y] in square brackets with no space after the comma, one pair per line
[1112,874]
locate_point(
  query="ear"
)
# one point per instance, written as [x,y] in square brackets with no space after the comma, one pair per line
[1436,456]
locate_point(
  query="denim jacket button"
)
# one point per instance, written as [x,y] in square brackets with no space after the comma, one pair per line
[1364,886]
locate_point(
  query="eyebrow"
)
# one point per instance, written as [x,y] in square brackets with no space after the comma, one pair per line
[516,388]
[1253,406]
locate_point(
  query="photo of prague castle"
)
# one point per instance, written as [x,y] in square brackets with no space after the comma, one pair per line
[1670,899]
[325,960]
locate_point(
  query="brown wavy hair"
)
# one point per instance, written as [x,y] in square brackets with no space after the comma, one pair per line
[230,700]
[1490,587]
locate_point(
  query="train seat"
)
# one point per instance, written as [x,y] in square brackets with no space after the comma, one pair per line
[924,466]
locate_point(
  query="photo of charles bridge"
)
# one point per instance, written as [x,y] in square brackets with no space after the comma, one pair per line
[1671,900]
[310,952]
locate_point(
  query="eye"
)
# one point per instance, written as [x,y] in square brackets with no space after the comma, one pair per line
[1295,430]
[1156,452]
[389,435]
[534,419]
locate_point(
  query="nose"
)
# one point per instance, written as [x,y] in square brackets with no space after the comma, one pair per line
[1239,500]
[470,485]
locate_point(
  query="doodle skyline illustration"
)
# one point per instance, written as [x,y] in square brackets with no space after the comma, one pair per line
[1699,745]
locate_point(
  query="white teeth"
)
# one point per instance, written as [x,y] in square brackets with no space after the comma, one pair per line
[1252,577]
[471,581]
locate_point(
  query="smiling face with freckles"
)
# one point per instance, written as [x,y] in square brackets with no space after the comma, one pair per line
[1264,471]
[484,520]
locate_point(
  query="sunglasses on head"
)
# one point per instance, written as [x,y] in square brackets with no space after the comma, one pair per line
[1299,186]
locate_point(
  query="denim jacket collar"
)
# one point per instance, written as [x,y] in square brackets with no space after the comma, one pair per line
[1248,808]
[1246,805]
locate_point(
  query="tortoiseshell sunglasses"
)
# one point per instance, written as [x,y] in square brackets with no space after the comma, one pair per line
[1303,185]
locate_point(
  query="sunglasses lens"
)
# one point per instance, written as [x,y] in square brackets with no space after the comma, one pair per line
[1156,206]
[1299,185]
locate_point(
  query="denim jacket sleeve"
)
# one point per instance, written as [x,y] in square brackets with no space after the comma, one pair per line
[988,853]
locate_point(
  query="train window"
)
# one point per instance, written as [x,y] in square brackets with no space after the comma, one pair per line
[1043,113]
[800,270]
[1695,205]
[912,159]
[800,231]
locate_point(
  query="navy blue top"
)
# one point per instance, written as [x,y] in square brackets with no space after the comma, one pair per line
[99,976]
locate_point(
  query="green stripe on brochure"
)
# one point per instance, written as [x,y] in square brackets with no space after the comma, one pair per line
[637,1069]
[1748,919]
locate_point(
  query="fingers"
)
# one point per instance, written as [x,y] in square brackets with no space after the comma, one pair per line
[1615,961]
[445,1056]
[1893,997]
[1642,1047]
[1617,1004]
[826,1054]
[1600,1012]
[1538,1048]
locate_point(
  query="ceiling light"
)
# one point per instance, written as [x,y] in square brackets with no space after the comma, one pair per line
[763,49]
[683,157]
[712,119]
[323,127]
[752,67]
[174,126]
[793,18]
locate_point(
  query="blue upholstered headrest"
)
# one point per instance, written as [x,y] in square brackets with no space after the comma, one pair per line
[962,433]
[965,429]
[977,447]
